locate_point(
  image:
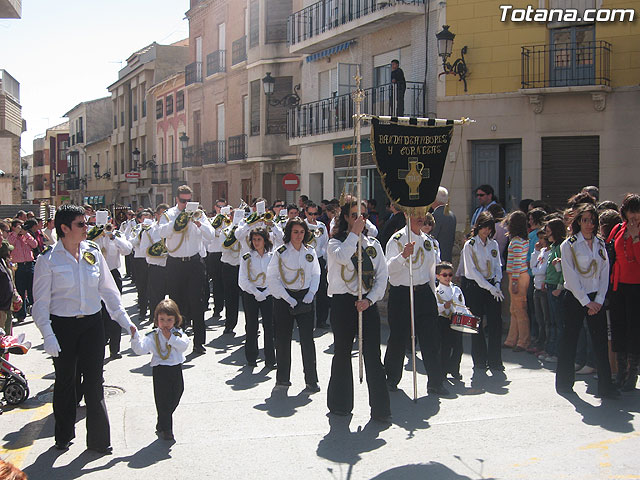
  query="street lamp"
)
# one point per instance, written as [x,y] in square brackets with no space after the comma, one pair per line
[289,100]
[184,140]
[96,173]
[445,47]
[135,155]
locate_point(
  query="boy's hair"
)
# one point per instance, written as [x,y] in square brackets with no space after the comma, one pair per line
[169,308]
[443,266]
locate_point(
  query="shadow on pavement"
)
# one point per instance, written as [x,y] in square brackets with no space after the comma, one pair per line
[280,404]
[612,415]
[410,418]
[247,379]
[429,470]
[343,446]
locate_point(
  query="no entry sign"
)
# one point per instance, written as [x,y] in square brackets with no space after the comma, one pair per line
[291,182]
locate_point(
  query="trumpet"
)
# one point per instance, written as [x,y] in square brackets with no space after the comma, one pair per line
[268,216]
[197,215]
[108,227]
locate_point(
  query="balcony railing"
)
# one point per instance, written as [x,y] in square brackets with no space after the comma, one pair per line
[336,113]
[72,183]
[192,157]
[238,147]
[239,50]
[329,14]
[566,65]
[216,62]
[214,152]
[193,73]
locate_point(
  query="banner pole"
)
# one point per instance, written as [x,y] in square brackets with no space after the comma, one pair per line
[413,317]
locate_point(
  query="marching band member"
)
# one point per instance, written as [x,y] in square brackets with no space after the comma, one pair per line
[112,244]
[429,223]
[214,254]
[293,277]
[252,279]
[319,238]
[230,258]
[154,247]
[481,284]
[585,266]
[421,253]
[184,236]
[140,267]
[372,230]
[125,229]
[258,219]
[343,287]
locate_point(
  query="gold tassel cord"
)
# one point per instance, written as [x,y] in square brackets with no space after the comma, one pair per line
[162,355]
[255,279]
[593,265]
[299,273]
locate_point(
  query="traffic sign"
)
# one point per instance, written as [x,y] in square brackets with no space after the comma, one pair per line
[132,175]
[290,182]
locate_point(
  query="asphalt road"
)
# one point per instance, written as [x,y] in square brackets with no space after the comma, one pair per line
[232,424]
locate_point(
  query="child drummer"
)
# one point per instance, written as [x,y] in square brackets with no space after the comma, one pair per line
[450,300]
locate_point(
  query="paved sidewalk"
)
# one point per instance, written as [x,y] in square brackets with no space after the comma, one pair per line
[231,424]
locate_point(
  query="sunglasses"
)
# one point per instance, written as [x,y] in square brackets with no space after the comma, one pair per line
[481,194]
[184,200]
[313,214]
[446,274]
[80,224]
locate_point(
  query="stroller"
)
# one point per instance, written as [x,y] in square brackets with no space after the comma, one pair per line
[13,382]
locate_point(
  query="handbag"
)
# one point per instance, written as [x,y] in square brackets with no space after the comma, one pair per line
[16,303]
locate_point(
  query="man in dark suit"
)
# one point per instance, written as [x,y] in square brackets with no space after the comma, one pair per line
[445,228]
[394,223]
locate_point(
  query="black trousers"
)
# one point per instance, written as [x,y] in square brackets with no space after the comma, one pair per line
[214,272]
[284,319]
[24,286]
[184,286]
[625,324]
[426,325]
[168,386]
[156,287]
[112,329]
[128,265]
[231,295]
[81,343]
[486,349]
[141,269]
[251,309]
[344,323]
[450,347]
[322,299]
[575,314]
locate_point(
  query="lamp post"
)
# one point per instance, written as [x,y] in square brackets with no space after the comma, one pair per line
[135,156]
[445,48]
[289,100]
[96,172]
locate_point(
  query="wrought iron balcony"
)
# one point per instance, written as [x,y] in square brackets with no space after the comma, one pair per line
[329,22]
[193,73]
[239,50]
[336,113]
[192,157]
[214,152]
[566,65]
[238,147]
[216,62]
[72,183]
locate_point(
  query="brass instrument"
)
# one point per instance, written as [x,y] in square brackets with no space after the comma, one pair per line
[108,227]
[268,216]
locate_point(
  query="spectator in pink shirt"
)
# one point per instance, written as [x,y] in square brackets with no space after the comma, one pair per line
[22,255]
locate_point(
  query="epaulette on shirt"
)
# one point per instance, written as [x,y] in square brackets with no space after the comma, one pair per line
[281,249]
[93,244]
[177,333]
[472,241]
[117,233]
[46,250]
[246,256]
[150,333]
[397,236]
[573,239]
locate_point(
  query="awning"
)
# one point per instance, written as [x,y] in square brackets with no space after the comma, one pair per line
[330,51]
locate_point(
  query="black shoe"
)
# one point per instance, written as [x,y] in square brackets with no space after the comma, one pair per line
[166,436]
[392,387]
[440,391]
[252,364]
[199,349]
[228,331]
[115,356]
[271,366]
[386,419]
[456,376]
[108,450]
[312,388]
[64,446]
[565,391]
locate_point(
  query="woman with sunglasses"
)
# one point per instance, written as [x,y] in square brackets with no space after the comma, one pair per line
[70,280]
[585,266]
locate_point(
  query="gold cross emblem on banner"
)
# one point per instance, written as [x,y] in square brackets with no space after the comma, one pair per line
[413,176]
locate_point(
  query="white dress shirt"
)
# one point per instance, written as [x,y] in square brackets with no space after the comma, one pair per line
[178,341]
[301,265]
[340,267]
[450,293]
[482,261]
[594,261]
[320,238]
[215,244]
[112,249]
[189,241]
[244,230]
[424,260]
[231,254]
[135,237]
[372,230]
[66,287]
[253,273]
[150,237]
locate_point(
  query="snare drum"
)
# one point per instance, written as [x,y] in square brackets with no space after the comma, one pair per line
[465,323]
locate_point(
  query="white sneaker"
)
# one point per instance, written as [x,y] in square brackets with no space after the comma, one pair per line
[551,358]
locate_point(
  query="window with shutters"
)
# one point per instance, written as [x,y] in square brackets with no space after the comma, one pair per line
[568,164]
[159,109]
[180,101]
[277,12]
[277,116]
[169,104]
[256,91]
[254,23]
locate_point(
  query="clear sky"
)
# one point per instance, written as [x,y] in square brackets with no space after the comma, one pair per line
[66,52]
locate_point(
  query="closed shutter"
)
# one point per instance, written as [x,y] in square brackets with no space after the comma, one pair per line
[277,13]
[277,116]
[568,164]
[254,23]
[255,107]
